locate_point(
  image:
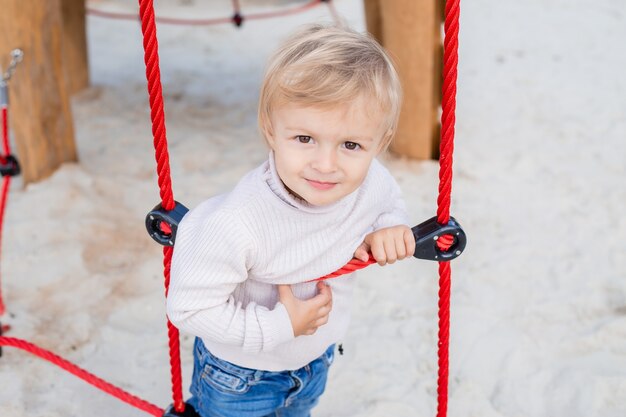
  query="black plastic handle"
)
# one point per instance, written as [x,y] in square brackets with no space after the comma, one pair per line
[172,218]
[427,233]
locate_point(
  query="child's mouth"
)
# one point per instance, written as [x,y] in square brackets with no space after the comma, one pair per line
[321,185]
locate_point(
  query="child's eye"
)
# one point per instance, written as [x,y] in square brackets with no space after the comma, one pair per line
[304,139]
[352,146]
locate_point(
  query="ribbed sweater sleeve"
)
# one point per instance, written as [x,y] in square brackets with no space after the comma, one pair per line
[212,254]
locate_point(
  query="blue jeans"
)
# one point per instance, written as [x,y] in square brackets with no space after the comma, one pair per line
[222,389]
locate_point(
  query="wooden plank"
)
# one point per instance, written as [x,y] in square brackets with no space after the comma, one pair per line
[40,112]
[373,19]
[411,32]
[75,45]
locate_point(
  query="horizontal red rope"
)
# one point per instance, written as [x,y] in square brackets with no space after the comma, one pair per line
[353,265]
[206,22]
[82,374]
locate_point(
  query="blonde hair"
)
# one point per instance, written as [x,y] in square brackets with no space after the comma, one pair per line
[328,66]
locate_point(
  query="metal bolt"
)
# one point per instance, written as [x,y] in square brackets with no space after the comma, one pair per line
[17,54]
[16,58]
[151,217]
[171,243]
[435,237]
[458,252]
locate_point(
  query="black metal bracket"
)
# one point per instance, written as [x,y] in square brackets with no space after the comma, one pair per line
[427,233]
[11,166]
[238,19]
[189,412]
[156,219]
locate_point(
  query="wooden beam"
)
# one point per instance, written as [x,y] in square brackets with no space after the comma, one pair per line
[40,112]
[373,19]
[75,45]
[411,32]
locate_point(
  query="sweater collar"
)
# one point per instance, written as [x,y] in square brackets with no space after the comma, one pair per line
[278,188]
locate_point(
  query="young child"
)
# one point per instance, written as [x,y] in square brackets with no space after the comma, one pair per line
[243,261]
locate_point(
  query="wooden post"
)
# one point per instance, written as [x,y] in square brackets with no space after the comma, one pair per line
[75,45]
[411,31]
[40,112]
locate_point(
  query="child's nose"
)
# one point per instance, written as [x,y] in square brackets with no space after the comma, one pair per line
[325,161]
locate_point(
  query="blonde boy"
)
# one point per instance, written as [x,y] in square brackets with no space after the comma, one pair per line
[239,282]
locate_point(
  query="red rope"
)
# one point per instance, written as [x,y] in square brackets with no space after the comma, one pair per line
[157,115]
[236,6]
[6,184]
[205,22]
[448,104]
[5,134]
[353,265]
[83,374]
[333,12]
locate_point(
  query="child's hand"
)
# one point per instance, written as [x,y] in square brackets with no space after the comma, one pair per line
[387,245]
[307,315]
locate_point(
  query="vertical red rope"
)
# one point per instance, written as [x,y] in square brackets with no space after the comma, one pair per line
[5,134]
[174,339]
[236,6]
[155,92]
[6,183]
[448,104]
[334,13]
[153,76]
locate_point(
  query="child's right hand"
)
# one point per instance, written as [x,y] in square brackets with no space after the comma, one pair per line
[307,315]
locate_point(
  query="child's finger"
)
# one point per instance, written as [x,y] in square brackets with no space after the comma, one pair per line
[409,242]
[390,250]
[378,252]
[324,296]
[324,310]
[321,321]
[361,252]
[401,251]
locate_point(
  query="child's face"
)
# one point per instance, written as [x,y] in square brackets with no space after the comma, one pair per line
[322,155]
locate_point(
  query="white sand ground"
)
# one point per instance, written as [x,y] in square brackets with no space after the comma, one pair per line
[539,297]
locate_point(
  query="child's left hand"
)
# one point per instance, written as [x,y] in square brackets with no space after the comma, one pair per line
[387,245]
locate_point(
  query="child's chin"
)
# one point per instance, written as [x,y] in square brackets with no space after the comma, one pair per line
[322,201]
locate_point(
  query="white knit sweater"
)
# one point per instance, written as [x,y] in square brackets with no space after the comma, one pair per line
[233,249]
